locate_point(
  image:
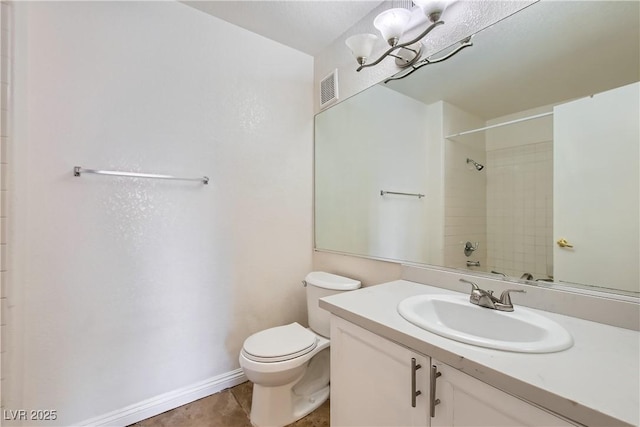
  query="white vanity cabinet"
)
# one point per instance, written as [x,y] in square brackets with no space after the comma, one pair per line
[377,382]
[466,401]
[372,380]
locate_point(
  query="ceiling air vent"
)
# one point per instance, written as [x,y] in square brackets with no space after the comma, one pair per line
[329,89]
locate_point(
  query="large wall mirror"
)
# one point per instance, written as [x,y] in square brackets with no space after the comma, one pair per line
[519,156]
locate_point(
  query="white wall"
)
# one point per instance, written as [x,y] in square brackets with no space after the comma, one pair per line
[380,140]
[125,289]
[596,188]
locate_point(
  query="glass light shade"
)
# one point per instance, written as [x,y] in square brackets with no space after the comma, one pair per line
[391,23]
[361,46]
[433,8]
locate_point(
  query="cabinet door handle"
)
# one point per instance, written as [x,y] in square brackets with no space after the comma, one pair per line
[414,393]
[434,375]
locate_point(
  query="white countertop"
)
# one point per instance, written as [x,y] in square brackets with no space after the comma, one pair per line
[595,382]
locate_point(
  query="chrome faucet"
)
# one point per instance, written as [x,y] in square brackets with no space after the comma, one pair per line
[480,296]
[486,299]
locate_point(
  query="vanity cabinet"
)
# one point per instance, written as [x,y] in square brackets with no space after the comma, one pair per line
[372,380]
[466,401]
[377,382]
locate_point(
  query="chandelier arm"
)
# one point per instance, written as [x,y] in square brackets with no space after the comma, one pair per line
[421,36]
[466,43]
[399,57]
[401,45]
[377,61]
[400,77]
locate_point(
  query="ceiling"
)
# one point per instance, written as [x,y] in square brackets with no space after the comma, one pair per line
[305,25]
[576,37]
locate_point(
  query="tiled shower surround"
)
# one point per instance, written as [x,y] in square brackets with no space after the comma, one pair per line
[520,210]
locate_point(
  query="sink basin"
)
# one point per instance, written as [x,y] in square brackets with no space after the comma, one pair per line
[454,317]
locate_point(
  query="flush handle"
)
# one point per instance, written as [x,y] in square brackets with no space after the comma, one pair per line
[414,393]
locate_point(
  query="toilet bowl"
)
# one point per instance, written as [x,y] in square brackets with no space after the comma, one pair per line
[289,365]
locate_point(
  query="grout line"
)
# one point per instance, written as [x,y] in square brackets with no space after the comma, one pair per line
[238,402]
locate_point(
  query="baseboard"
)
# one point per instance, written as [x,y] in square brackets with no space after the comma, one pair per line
[167,401]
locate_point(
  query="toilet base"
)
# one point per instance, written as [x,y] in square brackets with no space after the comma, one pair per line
[276,410]
[282,405]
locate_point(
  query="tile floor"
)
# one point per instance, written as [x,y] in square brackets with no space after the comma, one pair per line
[229,408]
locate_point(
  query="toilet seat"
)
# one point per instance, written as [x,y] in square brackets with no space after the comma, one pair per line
[279,344]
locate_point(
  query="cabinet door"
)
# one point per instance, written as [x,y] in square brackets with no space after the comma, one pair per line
[466,401]
[371,380]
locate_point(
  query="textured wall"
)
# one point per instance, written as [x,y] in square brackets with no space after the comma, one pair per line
[462,19]
[128,288]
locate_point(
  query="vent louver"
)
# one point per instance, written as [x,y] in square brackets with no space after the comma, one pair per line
[329,89]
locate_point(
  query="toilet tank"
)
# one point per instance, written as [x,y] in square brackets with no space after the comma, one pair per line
[319,285]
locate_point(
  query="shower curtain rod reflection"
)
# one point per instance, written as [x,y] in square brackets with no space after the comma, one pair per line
[77,170]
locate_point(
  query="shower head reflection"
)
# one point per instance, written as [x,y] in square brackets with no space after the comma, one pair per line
[475,164]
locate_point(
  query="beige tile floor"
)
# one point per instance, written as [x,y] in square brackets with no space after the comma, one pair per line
[229,408]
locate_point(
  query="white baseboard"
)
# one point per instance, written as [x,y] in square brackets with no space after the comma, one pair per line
[167,401]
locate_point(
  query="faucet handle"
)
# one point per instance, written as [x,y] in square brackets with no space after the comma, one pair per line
[506,299]
[474,287]
[477,295]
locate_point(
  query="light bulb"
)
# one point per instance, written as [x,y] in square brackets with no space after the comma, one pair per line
[391,23]
[433,9]
[361,46]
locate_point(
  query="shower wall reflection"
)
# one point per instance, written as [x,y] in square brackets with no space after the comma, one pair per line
[520,198]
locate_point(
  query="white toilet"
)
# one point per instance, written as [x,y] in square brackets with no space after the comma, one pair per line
[289,365]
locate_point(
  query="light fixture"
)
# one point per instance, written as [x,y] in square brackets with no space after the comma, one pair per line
[432,9]
[392,23]
[361,46]
[464,43]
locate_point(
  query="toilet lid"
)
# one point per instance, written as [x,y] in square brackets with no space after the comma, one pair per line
[279,343]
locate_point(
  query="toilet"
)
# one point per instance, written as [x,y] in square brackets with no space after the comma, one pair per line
[289,365]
